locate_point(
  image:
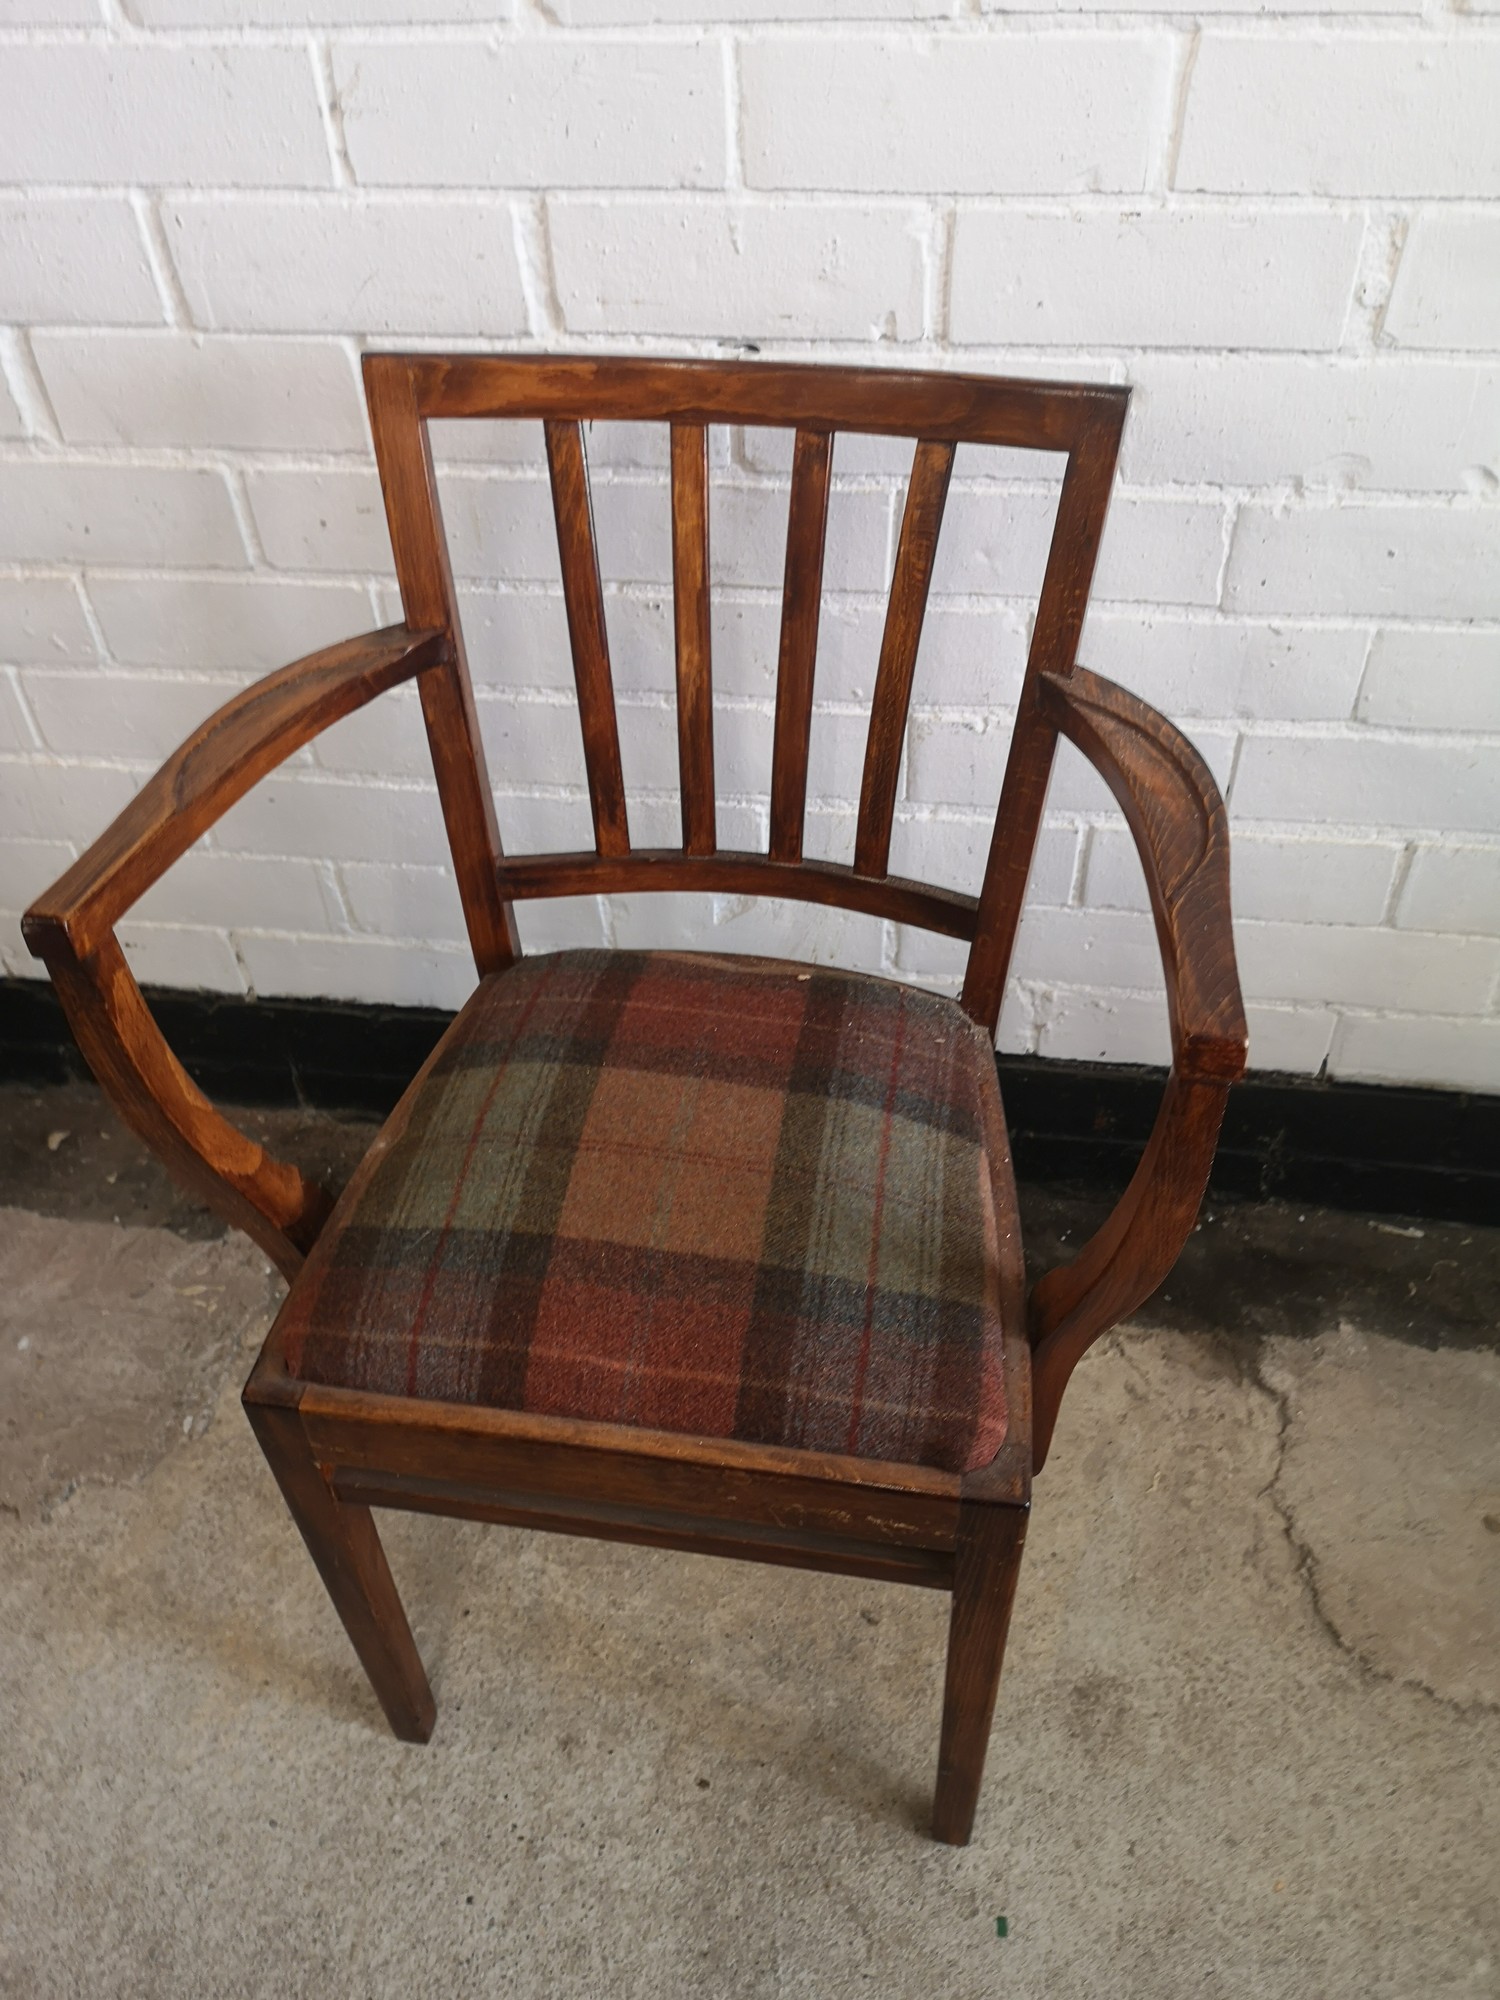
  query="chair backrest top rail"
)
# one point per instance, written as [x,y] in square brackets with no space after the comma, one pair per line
[957,408]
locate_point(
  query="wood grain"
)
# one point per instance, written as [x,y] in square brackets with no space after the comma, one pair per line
[514,1461]
[1076,534]
[236,747]
[801,603]
[693,618]
[1121,1266]
[986,1564]
[1007,1478]
[921,523]
[1174,810]
[352,1426]
[338,1453]
[525,876]
[428,599]
[786,1547]
[987,409]
[70,929]
[584,597]
[274,1203]
[342,1541]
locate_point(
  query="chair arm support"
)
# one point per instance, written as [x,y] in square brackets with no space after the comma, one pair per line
[219,762]
[1174,810]
[71,928]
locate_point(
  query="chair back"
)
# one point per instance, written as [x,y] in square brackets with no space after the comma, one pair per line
[938,412]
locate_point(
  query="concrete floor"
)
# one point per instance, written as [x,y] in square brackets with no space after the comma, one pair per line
[1246,1742]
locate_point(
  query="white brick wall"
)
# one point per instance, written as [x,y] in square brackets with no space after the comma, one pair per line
[136,111]
[1280,222]
[170,389]
[541,113]
[1447,290]
[1180,277]
[901,114]
[1344,113]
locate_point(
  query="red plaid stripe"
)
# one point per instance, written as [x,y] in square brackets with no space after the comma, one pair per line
[727,1197]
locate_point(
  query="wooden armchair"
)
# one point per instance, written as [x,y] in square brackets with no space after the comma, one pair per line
[704,1253]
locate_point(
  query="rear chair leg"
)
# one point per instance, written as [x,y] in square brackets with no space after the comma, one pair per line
[342,1541]
[987,1561]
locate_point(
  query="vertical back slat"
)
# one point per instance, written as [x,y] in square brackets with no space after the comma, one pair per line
[584,598]
[926,497]
[801,601]
[695,712]
[428,599]
[1054,645]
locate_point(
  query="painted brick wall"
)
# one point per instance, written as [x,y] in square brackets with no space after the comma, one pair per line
[1283,226]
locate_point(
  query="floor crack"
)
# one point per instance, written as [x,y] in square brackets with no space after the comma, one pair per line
[1307,1563]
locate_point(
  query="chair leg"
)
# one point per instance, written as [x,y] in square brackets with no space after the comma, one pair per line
[341,1538]
[987,1561]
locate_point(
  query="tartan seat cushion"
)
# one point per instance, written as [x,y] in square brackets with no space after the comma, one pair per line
[729,1197]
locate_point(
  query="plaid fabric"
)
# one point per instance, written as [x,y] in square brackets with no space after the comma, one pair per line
[723,1196]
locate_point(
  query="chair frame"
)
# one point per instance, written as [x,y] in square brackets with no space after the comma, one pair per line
[338,1453]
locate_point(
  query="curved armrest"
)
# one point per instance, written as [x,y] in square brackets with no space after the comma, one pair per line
[1174,810]
[71,928]
[217,765]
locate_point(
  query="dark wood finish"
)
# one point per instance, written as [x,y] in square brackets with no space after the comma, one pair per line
[336,1453]
[695,696]
[732,874]
[1173,808]
[895,402]
[786,1548]
[428,598]
[236,747]
[1076,534]
[584,597]
[1123,1263]
[801,602]
[986,1564]
[1006,1479]
[342,1541]
[627,1471]
[926,497]
[272,1201]
[70,927]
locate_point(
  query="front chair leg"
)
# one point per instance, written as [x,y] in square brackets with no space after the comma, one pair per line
[986,1563]
[342,1541]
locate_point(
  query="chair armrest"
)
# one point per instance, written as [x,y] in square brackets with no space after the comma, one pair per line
[220,761]
[71,928]
[1174,810]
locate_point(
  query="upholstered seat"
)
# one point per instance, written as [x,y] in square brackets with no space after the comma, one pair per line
[723,1196]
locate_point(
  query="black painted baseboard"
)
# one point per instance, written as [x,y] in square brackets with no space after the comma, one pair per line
[1378,1147]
